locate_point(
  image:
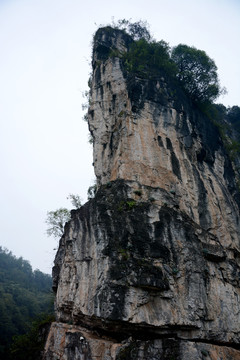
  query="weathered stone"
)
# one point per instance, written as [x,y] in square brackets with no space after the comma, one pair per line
[155,255]
[77,343]
[69,342]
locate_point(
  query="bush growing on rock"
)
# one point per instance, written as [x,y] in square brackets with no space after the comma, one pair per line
[193,68]
[197,72]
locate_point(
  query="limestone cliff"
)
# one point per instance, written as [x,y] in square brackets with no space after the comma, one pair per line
[149,268]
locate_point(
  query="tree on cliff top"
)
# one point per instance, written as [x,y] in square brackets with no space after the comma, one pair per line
[137,30]
[197,73]
[194,69]
[149,59]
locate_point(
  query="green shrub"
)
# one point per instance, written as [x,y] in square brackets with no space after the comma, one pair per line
[149,59]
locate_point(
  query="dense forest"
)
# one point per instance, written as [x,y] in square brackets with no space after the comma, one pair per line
[24,295]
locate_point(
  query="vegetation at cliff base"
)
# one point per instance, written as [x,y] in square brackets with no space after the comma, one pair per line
[30,346]
[24,294]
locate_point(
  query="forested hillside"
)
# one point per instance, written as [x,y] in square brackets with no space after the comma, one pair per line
[24,294]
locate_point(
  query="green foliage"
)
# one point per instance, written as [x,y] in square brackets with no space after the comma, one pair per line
[149,59]
[131,204]
[56,221]
[75,200]
[23,295]
[197,73]
[146,57]
[29,346]
[215,113]
[127,205]
[137,30]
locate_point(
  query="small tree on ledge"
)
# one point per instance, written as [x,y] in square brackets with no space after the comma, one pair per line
[57,219]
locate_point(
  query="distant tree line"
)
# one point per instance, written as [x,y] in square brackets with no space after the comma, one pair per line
[24,294]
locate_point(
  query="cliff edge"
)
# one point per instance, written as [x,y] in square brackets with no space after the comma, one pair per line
[149,268]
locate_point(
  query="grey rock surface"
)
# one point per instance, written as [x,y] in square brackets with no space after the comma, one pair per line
[149,268]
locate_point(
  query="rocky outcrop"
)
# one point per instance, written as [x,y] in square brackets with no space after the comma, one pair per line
[149,268]
[74,342]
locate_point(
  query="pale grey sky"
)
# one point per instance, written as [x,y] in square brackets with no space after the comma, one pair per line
[44,67]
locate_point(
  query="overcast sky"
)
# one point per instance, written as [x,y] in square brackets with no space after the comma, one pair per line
[44,67]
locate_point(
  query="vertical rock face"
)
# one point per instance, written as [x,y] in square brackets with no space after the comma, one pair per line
[149,268]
